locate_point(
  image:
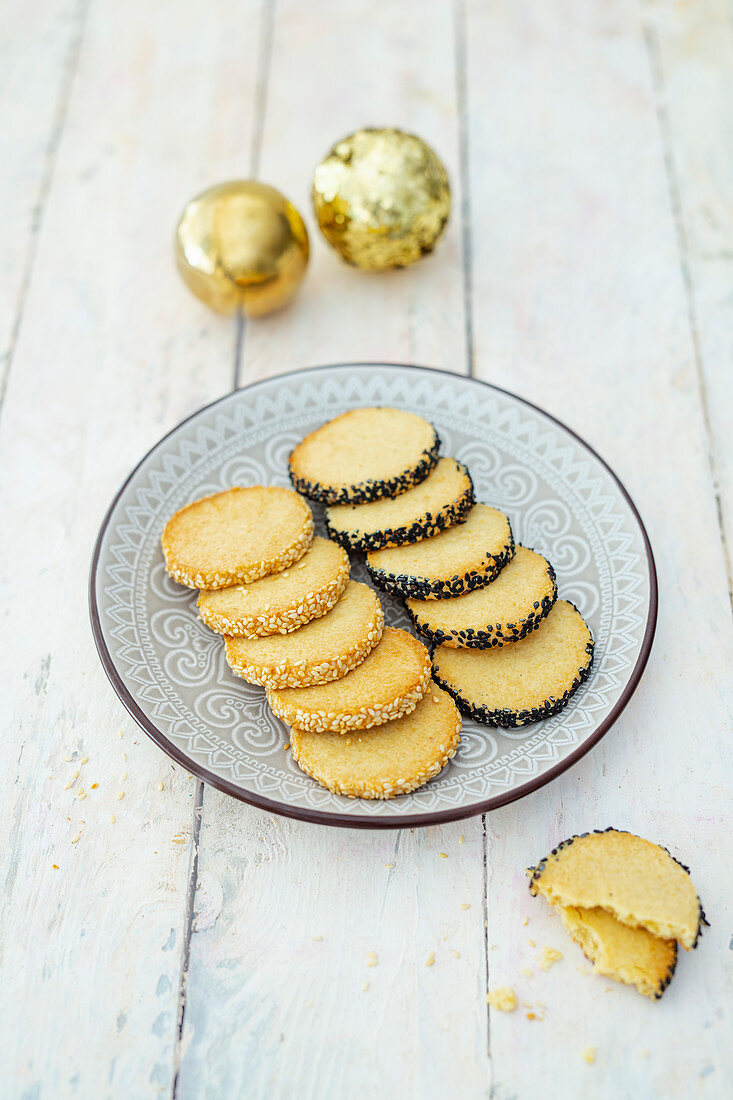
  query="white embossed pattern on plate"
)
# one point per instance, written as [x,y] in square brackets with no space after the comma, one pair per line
[170,669]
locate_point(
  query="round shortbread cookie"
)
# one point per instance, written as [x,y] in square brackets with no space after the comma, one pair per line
[390,759]
[236,536]
[630,955]
[638,882]
[444,498]
[467,556]
[388,684]
[513,685]
[322,650]
[366,454]
[508,609]
[282,602]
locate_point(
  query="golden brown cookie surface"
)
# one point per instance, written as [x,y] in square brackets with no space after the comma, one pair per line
[504,611]
[467,556]
[389,683]
[388,760]
[443,499]
[236,536]
[323,650]
[630,955]
[280,602]
[534,678]
[364,455]
[638,882]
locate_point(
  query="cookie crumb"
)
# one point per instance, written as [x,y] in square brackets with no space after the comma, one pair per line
[454,953]
[372,958]
[120,795]
[55,866]
[527,971]
[461,839]
[160,786]
[548,957]
[502,998]
[317,939]
[589,1055]
[84,760]
[389,866]
[75,839]
[286,746]
[112,818]
[443,855]
[94,786]
[465,905]
[67,758]
[430,959]
[365,987]
[525,922]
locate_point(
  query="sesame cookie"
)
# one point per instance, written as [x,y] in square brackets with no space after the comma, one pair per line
[323,650]
[388,684]
[467,556]
[237,536]
[630,955]
[508,609]
[636,881]
[444,498]
[282,602]
[390,759]
[513,685]
[366,454]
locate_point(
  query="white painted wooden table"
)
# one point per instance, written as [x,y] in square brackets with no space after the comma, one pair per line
[175,941]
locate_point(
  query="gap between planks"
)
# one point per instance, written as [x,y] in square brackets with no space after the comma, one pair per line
[656,68]
[44,186]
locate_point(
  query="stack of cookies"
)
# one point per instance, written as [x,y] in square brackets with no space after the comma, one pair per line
[367,720]
[506,649]
[371,716]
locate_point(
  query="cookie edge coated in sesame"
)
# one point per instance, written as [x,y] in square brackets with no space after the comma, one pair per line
[408,586]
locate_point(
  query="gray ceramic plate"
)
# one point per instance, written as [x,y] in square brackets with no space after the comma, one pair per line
[169,669]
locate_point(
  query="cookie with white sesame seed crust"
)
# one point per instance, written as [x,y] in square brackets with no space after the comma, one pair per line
[322,650]
[504,611]
[388,760]
[281,602]
[467,556]
[388,684]
[236,536]
[513,685]
[364,455]
[443,499]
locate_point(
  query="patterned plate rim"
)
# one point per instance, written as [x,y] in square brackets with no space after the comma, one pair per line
[324,817]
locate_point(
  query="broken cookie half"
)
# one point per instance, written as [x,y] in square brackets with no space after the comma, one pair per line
[626,901]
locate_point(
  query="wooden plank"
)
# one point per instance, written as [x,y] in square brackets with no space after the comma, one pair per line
[112,352]
[691,53]
[39,36]
[332,72]
[582,309]
[293,1007]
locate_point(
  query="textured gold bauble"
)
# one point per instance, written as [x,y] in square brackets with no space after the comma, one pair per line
[242,245]
[382,198]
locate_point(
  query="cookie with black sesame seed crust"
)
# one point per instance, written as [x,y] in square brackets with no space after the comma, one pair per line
[363,455]
[504,611]
[467,556]
[388,760]
[388,684]
[640,883]
[630,955]
[281,602]
[236,536]
[516,684]
[321,651]
[443,499]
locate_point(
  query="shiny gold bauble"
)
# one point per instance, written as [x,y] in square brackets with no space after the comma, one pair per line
[242,245]
[382,198]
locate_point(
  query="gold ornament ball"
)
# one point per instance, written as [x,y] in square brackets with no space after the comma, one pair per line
[242,245]
[382,198]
